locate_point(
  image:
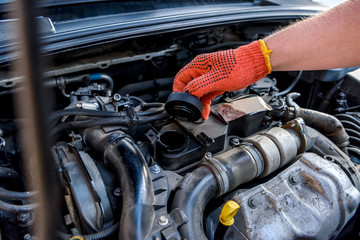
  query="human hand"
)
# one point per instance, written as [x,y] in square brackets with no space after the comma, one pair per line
[209,75]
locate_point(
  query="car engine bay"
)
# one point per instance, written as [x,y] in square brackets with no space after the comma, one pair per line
[285,149]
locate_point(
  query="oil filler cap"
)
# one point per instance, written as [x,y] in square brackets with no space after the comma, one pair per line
[184,106]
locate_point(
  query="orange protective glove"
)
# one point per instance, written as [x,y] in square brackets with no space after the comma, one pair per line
[209,75]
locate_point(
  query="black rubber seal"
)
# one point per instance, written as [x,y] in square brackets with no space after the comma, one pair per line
[184,106]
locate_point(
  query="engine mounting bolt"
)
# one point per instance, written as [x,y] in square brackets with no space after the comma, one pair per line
[78,105]
[208,155]
[117,192]
[293,125]
[253,202]
[155,169]
[294,179]
[28,237]
[24,218]
[163,221]
[235,142]
[139,143]
[117,97]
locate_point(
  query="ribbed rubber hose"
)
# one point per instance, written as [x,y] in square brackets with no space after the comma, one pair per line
[351,125]
[12,208]
[13,195]
[348,117]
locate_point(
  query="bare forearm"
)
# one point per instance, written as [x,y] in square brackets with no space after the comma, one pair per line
[328,40]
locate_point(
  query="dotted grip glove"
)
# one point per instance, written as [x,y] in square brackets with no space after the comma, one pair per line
[209,75]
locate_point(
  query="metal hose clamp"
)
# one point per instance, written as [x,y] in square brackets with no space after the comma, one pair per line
[219,172]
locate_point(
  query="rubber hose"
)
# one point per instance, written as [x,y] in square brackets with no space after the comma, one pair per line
[11,208]
[9,174]
[104,122]
[108,80]
[355,141]
[348,118]
[322,121]
[13,195]
[197,189]
[290,99]
[103,234]
[7,92]
[353,108]
[355,150]
[152,97]
[151,112]
[152,105]
[139,100]
[327,124]
[84,112]
[326,101]
[95,77]
[89,123]
[319,144]
[94,236]
[146,85]
[291,86]
[155,108]
[121,153]
[352,133]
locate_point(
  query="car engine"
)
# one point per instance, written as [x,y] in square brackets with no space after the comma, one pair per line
[280,157]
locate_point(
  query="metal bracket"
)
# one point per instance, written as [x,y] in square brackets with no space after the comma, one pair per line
[298,125]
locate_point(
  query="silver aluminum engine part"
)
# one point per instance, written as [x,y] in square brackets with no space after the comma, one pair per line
[259,155]
[311,199]
[278,147]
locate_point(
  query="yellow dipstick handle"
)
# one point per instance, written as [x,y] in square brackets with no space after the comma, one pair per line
[228,212]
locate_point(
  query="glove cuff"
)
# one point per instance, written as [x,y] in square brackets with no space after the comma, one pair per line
[266,52]
[254,58]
